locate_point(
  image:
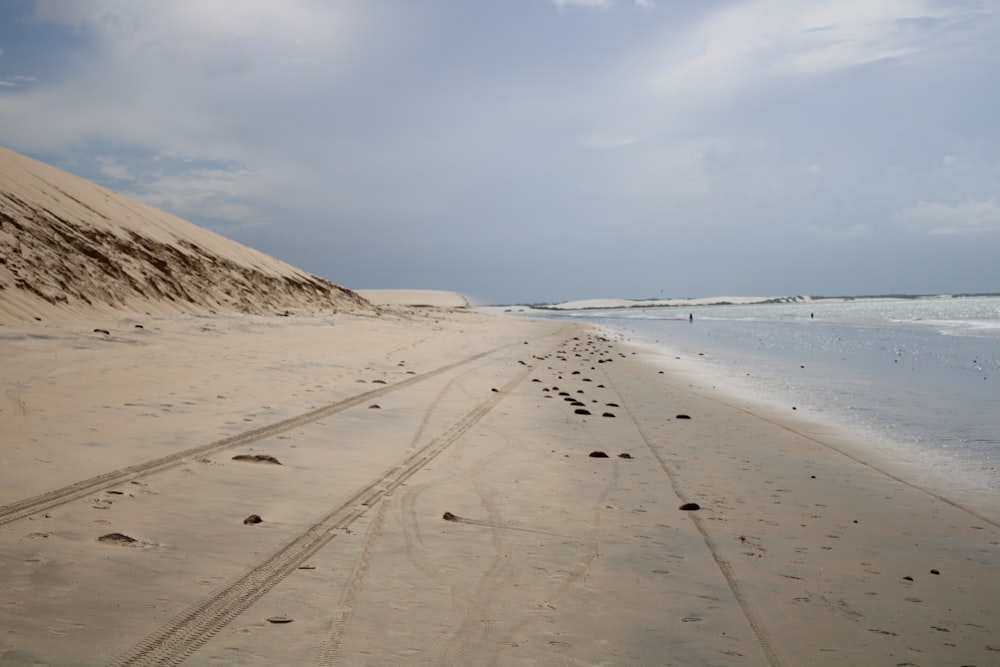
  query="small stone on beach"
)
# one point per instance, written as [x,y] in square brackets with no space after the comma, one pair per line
[598,455]
[257,458]
[690,507]
[252,519]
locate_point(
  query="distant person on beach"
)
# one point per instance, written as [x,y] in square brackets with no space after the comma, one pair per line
[690,317]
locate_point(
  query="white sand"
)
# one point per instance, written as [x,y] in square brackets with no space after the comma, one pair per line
[415,298]
[798,555]
[680,302]
[125,427]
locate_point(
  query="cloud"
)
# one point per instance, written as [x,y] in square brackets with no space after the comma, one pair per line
[969,217]
[764,39]
[599,4]
[113,169]
[592,4]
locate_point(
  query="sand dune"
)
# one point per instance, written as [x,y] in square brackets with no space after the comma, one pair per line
[417,298]
[71,248]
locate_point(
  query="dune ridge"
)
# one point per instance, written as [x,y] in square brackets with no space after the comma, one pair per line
[72,248]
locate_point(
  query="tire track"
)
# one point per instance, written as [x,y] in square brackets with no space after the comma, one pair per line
[764,638]
[190,630]
[469,625]
[49,500]
[331,648]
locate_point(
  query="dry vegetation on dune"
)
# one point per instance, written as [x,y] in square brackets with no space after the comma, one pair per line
[71,247]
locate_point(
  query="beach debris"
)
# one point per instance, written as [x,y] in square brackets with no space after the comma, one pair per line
[598,454]
[448,516]
[683,417]
[908,578]
[935,572]
[257,458]
[252,519]
[374,406]
[625,455]
[690,507]
[612,405]
[117,538]
[103,331]
[608,414]
[582,411]
[279,619]
[495,390]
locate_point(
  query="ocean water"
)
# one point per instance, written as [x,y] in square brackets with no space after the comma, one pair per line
[917,379]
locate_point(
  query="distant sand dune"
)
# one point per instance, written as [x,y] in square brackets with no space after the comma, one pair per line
[71,248]
[415,298]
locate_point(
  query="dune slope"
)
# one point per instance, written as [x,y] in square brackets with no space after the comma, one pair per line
[69,247]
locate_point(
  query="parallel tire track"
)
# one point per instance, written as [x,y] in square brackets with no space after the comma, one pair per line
[44,502]
[187,632]
[764,639]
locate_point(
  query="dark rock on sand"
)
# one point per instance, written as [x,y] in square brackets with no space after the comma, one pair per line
[252,519]
[690,507]
[598,455]
[683,417]
[608,414]
[624,455]
[257,458]
[103,331]
[117,538]
[582,411]
[448,516]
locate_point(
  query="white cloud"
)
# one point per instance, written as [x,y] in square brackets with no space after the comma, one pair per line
[770,38]
[113,169]
[203,194]
[599,4]
[593,4]
[968,217]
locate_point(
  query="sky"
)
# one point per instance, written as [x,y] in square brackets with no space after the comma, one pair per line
[537,151]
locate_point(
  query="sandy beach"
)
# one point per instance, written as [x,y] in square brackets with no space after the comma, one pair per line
[129,539]
[214,458]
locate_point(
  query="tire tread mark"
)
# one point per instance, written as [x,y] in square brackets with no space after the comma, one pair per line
[764,639]
[331,648]
[22,509]
[190,630]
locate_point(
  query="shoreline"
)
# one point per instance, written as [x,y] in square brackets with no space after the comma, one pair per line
[382,424]
[892,455]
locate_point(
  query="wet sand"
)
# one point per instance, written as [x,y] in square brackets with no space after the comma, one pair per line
[358,434]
